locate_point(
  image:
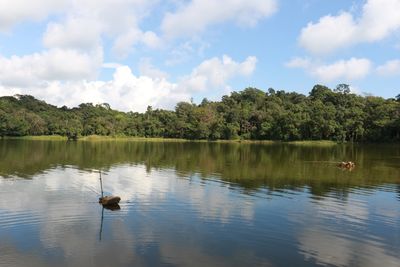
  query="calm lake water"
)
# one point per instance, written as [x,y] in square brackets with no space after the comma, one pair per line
[198,204]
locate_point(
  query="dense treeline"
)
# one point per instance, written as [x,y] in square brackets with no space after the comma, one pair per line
[250,114]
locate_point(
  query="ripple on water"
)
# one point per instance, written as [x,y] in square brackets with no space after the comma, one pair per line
[19,219]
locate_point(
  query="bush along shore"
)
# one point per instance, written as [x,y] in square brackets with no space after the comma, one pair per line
[252,114]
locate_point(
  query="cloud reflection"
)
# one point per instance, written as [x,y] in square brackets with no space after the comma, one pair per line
[62,205]
[328,248]
[342,233]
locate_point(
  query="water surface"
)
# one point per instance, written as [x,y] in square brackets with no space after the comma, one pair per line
[198,204]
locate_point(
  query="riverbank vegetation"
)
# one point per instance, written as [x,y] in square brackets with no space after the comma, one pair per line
[251,114]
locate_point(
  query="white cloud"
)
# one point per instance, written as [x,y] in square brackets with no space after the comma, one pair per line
[39,75]
[147,69]
[344,70]
[328,34]
[124,43]
[215,72]
[186,50]
[86,23]
[349,70]
[55,64]
[151,39]
[124,92]
[378,20]
[111,65]
[75,32]
[391,67]
[197,15]
[298,62]
[16,11]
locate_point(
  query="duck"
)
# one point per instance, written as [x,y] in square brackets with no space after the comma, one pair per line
[109,200]
[347,165]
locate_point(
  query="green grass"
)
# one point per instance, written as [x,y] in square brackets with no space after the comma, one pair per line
[128,138]
[313,143]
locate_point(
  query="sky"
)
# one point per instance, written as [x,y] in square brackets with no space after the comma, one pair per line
[136,53]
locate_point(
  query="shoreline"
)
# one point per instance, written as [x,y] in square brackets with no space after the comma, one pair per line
[98,138]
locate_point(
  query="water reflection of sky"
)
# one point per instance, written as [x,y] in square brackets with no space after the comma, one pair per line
[165,219]
[362,230]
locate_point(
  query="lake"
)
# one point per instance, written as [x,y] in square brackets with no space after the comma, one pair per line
[198,204]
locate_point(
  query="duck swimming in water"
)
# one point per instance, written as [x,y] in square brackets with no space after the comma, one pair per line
[346,165]
[109,200]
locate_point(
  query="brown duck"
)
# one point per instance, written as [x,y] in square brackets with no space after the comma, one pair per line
[346,165]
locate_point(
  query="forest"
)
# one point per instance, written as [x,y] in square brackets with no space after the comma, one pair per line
[251,114]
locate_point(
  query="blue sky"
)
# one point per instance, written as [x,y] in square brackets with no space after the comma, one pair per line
[135,53]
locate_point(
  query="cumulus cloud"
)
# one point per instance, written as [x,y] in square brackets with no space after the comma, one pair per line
[344,70]
[78,33]
[86,23]
[328,34]
[197,15]
[125,42]
[391,67]
[125,91]
[352,69]
[146,68]
[378,19]
[215,72]
[16,11]
[55,64]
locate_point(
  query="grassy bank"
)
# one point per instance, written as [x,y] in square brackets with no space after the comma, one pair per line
[38,137]
[99,138]
[314,143]
[95,138]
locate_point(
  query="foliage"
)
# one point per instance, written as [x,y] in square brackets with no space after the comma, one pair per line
[251,114]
